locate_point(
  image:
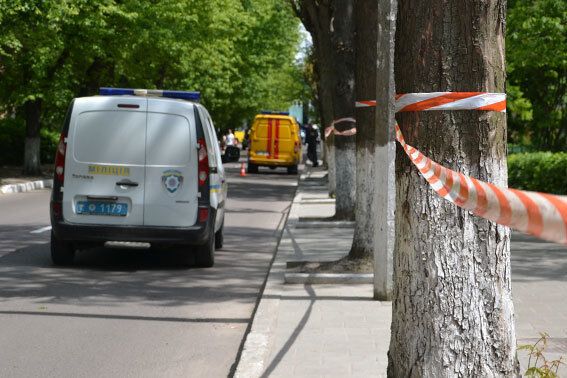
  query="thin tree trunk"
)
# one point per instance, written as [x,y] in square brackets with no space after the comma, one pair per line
[32,164]
[342,40]
[452,309]
[365,18]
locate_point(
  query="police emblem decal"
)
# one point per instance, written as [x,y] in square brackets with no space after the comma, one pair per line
[172,180]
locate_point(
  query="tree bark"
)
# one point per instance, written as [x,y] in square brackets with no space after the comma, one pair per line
[32,163]
[452,309]
[342,40]
[366,38]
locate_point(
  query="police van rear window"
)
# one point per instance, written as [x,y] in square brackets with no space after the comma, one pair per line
[116,137]
[169,138]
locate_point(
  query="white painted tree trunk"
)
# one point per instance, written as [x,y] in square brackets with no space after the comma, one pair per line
[32,114]
[365,206]
[31,155]
[329,146]
[453,314]
[345,180]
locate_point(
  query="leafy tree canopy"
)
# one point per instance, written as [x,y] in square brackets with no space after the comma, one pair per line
[536,49]
[239,54]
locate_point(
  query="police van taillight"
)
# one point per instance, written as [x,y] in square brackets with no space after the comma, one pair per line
[60,158]
[203,162]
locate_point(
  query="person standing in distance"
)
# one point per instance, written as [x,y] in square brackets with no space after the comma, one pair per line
[229,138]
[312,138]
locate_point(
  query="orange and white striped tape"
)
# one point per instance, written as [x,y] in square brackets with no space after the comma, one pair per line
[331,128]
[365,103]
[539,214]
[412,102]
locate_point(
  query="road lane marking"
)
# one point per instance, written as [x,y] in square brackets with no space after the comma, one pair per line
[40,230]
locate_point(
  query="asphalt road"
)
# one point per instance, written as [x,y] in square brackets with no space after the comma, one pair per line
[132,313]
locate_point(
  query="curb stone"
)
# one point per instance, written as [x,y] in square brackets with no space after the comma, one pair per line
[26,186]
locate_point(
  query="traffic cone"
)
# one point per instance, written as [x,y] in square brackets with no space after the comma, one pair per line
[242,170]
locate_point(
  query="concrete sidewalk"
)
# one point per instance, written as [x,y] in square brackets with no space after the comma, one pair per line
[340,331]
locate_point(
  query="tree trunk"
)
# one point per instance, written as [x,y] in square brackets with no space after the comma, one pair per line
[32,164]
[452,309]
[316,17]
[342,40]
[365,19]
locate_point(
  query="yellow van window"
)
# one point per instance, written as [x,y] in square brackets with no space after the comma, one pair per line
[262,129]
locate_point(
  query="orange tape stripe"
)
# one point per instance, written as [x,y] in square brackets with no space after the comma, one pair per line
[463,191]
[497,107]
[535,220]
[481,199]
[436,101]
[505,208]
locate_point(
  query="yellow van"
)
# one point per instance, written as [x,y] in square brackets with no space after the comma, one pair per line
[274,142]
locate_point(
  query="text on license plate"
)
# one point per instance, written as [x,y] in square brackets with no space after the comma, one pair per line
[102,208]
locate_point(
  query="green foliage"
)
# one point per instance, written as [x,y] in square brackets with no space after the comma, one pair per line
[49,141]
[12,136]
[536,51]
[239,54]
[538,171]
[538,365]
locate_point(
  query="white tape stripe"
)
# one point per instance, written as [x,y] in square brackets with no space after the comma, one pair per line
[412,98]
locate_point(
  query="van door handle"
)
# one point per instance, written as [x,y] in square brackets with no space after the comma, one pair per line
[127,183]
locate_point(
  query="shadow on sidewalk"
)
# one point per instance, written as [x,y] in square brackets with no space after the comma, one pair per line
[285,348]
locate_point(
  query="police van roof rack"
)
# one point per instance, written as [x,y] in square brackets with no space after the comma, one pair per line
[274,112]
[184,95]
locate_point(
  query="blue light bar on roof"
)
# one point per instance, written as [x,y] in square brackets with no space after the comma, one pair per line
[184,95]
[274,113]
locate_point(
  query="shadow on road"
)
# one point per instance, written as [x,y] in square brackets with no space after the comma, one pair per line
[102,276]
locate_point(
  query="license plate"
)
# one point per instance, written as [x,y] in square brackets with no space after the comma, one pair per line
[262,153]
[102,208]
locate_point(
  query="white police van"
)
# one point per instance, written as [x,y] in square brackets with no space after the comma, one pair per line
[137,166]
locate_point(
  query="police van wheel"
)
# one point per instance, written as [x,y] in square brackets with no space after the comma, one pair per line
[252,168]
[219,237]
[292,170]
[62,252]
[205,256]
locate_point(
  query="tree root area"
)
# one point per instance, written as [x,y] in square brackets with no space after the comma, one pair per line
[344,265]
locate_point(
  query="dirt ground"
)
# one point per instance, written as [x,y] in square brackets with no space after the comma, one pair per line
[343,265]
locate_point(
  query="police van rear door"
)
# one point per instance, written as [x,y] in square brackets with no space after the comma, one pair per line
[105,161]
[171,185]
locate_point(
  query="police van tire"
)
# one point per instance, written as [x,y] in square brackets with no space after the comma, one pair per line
[62,252]
[292,170]
[219,237]
[252,168]
[205,256]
